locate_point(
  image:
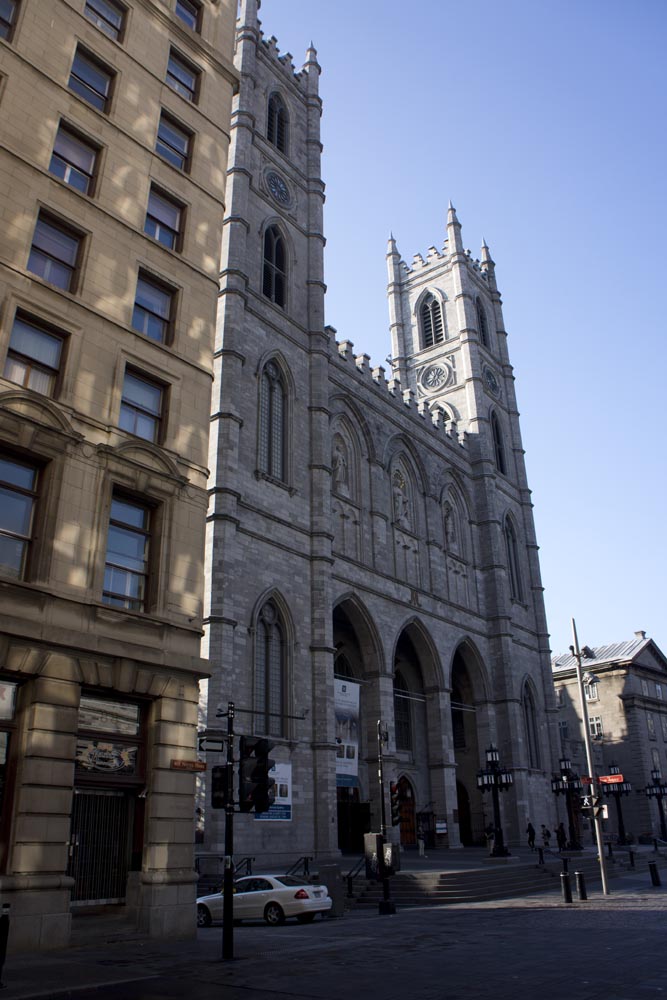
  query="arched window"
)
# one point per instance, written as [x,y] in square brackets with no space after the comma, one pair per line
[513,565]
[482,324]
[270,672]
[498,445]
[402,713]
[272,422]
[433,331]
[530,722]
[274,277]
[277,123]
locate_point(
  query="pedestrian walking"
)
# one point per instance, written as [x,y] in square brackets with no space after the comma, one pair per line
[546,836]
[561,837]
[530,830]
[421,841]
[490,838]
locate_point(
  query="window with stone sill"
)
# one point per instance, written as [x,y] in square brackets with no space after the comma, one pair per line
[189,11]
[164,219]
[272,423]
[183,77]
[8,11]
[658,691]
[107,15]
[153,308]
[34,355]
[277,127]
[173,142]
[595,727]
[644,684]
[92,80]
[663,721]
[74,160]
[270,672]
[650,725]
[19,481]
[126,572]
[274,274]
[432,327]
[141,408]
[55,252]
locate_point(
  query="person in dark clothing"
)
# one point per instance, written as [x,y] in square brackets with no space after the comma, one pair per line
[530,830]
[561,837]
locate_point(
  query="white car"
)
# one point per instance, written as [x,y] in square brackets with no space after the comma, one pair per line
[268,897]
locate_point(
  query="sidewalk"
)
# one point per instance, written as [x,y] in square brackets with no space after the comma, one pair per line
[295,960]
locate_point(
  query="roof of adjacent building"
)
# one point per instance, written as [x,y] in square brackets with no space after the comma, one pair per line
[612,653]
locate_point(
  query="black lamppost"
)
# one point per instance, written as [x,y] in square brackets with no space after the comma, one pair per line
[567,784]
[617,791]
[496,778]
[658,790]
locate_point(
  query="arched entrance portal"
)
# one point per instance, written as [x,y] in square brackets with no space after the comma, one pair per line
[465,697]
[406,798]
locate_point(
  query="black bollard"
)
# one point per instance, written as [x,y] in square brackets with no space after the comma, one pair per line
[565,862]
[631,856]
[581,885]
[540,855]
[609,850]
[4,934]
[566,888]
[655,875]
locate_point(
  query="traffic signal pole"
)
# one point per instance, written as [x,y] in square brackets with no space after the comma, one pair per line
[228,875]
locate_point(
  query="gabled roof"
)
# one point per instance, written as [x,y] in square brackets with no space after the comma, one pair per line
[616,652]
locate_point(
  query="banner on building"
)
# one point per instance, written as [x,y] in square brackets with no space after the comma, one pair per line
[282,803]
[347,732]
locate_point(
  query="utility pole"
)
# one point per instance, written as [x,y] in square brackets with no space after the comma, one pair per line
[228,875]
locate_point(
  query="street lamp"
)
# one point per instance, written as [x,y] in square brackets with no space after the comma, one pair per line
[498,779]
[617,791]
[595,791]
[658,790]
[567,784]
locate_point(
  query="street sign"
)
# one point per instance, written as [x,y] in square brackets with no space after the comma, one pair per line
[586,779]
[188,765]
[208,744]
[589,802]
[611,779]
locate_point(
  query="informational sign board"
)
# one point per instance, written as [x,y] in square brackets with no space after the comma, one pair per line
[611,779]
[281,810]
[346,701]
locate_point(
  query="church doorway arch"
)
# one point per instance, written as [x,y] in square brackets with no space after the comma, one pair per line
[467,693]
[406,799]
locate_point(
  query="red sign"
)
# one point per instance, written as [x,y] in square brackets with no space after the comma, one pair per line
[611,779]
[188,765]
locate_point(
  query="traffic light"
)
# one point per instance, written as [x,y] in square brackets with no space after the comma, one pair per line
[218,787]
[256,788]
[395,804]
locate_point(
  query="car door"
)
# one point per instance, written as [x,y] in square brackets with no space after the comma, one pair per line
[243,898]
[262,893]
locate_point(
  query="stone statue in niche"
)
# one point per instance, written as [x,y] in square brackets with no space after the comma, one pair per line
[451,532]
[339,466]
[401,500]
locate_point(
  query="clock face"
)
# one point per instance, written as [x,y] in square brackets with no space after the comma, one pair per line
[491,381]
[278,188]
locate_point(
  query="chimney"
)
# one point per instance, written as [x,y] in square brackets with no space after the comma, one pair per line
[640,634]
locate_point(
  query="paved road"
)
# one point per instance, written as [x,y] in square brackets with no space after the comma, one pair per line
[532,949]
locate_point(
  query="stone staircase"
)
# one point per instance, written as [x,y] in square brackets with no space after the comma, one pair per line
[491,882]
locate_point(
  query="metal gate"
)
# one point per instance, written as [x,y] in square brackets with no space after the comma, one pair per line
[99,851]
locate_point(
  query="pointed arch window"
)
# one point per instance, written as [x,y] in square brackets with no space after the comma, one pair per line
[498,445]
[433,329]
[530,723]
[272,423]
[274,276]
[402,713]
[277,130]
[482,323]
[513,565]
[270,660]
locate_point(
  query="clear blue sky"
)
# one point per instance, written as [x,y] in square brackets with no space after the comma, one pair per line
[544,121]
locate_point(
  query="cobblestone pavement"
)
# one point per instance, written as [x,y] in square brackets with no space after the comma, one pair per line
[540,948]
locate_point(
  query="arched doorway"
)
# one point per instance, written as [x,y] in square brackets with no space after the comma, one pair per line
[465,696]
[406,799]
[465,816]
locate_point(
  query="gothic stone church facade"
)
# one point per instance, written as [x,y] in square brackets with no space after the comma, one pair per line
[372,552]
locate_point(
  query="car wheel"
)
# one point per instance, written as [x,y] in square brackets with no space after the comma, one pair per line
[305,918]
[203,916]
[273,914]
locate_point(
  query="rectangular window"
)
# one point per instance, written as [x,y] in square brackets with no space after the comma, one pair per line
[7,18]
[54,253]
[591,691]
[658,691]
[189,12]
[107,15]
[163,220]
[655,757]
[650,725]
[33,358]
[595,727]
[663,720]
[173,142]
[153,305]
[141,407]
[182,76]
[18,484]
[564,730]
[126,567]
[91,80]
[73,160]
[644,684]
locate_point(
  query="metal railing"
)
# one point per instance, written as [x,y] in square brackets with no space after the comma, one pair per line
[303,864]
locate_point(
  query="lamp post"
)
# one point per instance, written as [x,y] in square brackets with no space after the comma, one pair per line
[385,906]
[617,791]
[497,779]
[658,790]
[595,789]
[567,784]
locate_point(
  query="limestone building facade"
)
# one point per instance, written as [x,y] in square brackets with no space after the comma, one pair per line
[626,703]
[113,151]
[371,547]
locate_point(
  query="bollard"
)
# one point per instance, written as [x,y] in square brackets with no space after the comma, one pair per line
[609,850]
[540,855]
[655,845]
[566,888]
[4,934]
[565,862]
[581,885]
[655,875]
[631,856]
